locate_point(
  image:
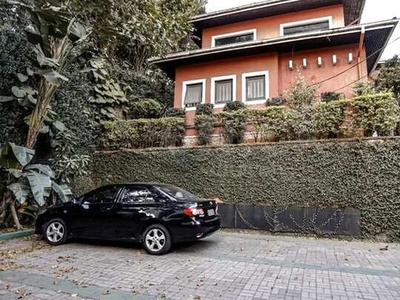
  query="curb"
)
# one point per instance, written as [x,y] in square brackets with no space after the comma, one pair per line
[16,234]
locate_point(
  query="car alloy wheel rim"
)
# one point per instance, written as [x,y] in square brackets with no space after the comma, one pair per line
[155,240]
[55,232]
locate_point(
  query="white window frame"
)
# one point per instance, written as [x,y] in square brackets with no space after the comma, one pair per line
[221,78]
[232,34]
[244,87]
[306,22]
[184,89]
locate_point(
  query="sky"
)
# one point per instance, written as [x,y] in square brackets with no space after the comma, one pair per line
[375,10]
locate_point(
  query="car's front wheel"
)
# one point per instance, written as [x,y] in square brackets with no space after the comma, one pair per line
[55,232]
[157,239]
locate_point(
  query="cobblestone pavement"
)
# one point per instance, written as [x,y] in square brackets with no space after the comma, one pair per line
[227,266]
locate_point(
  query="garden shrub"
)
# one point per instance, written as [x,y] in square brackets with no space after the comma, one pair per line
[143,133]
[276,101]
[204,123]
[362,174]
[205,109]
[328,118]
[331,96]
[234,106]
[174,113]
[275,121]
[205,127]
[301,96]
[376,113]
[233,126]
[144,109]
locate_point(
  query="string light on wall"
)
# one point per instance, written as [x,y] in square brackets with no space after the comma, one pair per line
[305,63]
[291,65]
[334,59]
[351,58]
[319,61]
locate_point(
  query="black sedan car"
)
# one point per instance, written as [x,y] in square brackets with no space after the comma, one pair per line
[156,215]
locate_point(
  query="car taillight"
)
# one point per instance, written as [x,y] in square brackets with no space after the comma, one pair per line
[193,211]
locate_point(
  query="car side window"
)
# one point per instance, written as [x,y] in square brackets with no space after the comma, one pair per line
[101,196]
[137,195]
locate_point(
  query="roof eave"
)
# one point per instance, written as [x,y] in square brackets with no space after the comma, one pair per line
[174,59]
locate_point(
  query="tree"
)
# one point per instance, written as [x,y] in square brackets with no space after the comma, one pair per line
[389,76]
[54,34]
[133,31]
[389,79]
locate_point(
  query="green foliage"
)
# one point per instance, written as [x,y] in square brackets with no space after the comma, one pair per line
[328,118]
[143,133]
[108,96]
[133,31]
[364,88]
[274,122]
[389,76]
[301,93]
[234,106]
[331,96]
[233,125]
[30,183]
[301,97]
[376,113]
[204,125]
[205,109]
[277,101]
[357,174]
[175,112]
[144,109]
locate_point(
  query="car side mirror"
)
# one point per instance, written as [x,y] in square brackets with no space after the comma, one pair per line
[85,205]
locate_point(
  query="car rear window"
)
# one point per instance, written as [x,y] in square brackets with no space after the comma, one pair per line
[178,193]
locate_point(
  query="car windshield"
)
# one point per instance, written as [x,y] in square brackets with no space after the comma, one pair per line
[177,193]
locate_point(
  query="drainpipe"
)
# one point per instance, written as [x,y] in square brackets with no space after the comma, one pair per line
[360,48]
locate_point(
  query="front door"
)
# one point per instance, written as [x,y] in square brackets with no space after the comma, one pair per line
[93,218]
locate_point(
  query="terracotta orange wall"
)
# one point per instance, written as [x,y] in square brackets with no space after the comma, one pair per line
[270,26]
[248,64]
[280,77]
[328,70]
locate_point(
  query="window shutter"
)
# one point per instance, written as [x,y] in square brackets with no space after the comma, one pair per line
[223,91]
[317,26]
[256,88]
[194,94]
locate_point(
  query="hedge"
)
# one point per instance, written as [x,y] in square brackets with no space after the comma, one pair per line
[362,174]
[143,133]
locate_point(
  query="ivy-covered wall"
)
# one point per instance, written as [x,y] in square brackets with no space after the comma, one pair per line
[362,174]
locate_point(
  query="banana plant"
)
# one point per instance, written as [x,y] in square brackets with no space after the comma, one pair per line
[30,184]
[54,34]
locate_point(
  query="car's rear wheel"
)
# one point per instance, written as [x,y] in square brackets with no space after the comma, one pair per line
[157,239]
[55,232]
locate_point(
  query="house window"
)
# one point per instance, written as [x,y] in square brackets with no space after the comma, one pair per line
[255,87]
[193,93]
[306,26]
[234,38]
[223,90]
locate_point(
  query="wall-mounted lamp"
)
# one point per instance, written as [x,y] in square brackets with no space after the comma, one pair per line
[305,63]
[351,58]
[334,59]
[291,66]
[319,61]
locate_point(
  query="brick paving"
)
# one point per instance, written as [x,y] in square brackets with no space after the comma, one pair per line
[225,266]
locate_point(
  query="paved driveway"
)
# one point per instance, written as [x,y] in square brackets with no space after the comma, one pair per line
[225,266]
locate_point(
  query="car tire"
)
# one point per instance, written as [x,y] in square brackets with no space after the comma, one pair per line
[157,239]
[55,232]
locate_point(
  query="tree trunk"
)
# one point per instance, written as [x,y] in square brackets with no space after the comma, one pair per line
[15,215]
[3,208]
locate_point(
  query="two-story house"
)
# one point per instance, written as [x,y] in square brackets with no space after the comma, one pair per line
[252,53]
